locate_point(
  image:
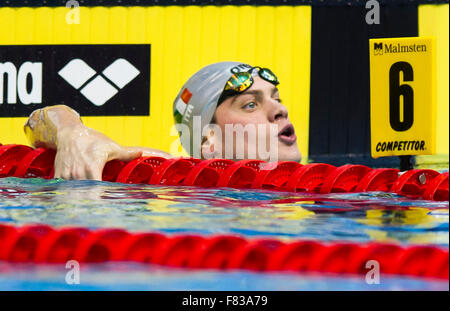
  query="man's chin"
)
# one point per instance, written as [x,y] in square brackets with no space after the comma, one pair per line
[290,153]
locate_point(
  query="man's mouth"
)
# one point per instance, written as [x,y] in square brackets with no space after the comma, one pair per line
[287,135]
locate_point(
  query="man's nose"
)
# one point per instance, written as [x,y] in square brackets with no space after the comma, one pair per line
[277,111]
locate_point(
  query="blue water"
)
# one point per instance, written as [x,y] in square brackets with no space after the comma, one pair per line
[134,276]
[355,217]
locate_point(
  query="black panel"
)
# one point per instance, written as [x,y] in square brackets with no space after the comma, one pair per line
[94,79]
[340,86]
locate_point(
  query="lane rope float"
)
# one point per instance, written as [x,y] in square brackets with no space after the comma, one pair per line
[44,244]
[23,161]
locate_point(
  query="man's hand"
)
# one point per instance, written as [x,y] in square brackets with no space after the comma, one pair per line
[83,152]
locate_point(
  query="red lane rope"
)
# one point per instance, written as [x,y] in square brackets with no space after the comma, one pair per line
[23,161]
[44,244]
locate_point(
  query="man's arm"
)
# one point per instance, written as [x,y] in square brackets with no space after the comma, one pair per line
[81,152]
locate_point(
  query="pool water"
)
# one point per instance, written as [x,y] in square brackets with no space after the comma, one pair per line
[351,217]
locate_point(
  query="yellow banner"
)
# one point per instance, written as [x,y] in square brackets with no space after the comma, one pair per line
[402,96]
[182,40]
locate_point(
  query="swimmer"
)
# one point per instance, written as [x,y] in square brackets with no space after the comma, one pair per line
[221,94]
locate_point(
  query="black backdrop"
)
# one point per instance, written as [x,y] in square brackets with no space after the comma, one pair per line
[340,85]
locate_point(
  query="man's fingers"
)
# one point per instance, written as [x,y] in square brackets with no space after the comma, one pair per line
[65,174]
[79,173]
[90,166]
[61,171]
[57,173]
[94,172]
[128,154]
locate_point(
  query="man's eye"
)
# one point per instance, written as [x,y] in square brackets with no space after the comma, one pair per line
[278,100]
[250,105]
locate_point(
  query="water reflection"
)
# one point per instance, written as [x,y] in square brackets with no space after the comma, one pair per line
[357,217]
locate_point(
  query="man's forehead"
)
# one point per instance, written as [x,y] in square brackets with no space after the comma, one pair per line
[256,92]
[259,85]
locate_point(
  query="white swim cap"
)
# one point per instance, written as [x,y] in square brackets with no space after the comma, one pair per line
[199,97]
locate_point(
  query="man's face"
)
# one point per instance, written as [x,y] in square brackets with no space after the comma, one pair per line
[259,106]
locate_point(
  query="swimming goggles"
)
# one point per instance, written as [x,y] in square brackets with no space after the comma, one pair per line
[241,81]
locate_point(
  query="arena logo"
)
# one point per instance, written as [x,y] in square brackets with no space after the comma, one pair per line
[16,82]
[98,91]
[95,80]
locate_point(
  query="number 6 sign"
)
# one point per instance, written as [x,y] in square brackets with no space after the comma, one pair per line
[402,96]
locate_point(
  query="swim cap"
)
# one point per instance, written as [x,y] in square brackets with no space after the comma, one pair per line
[199,97]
